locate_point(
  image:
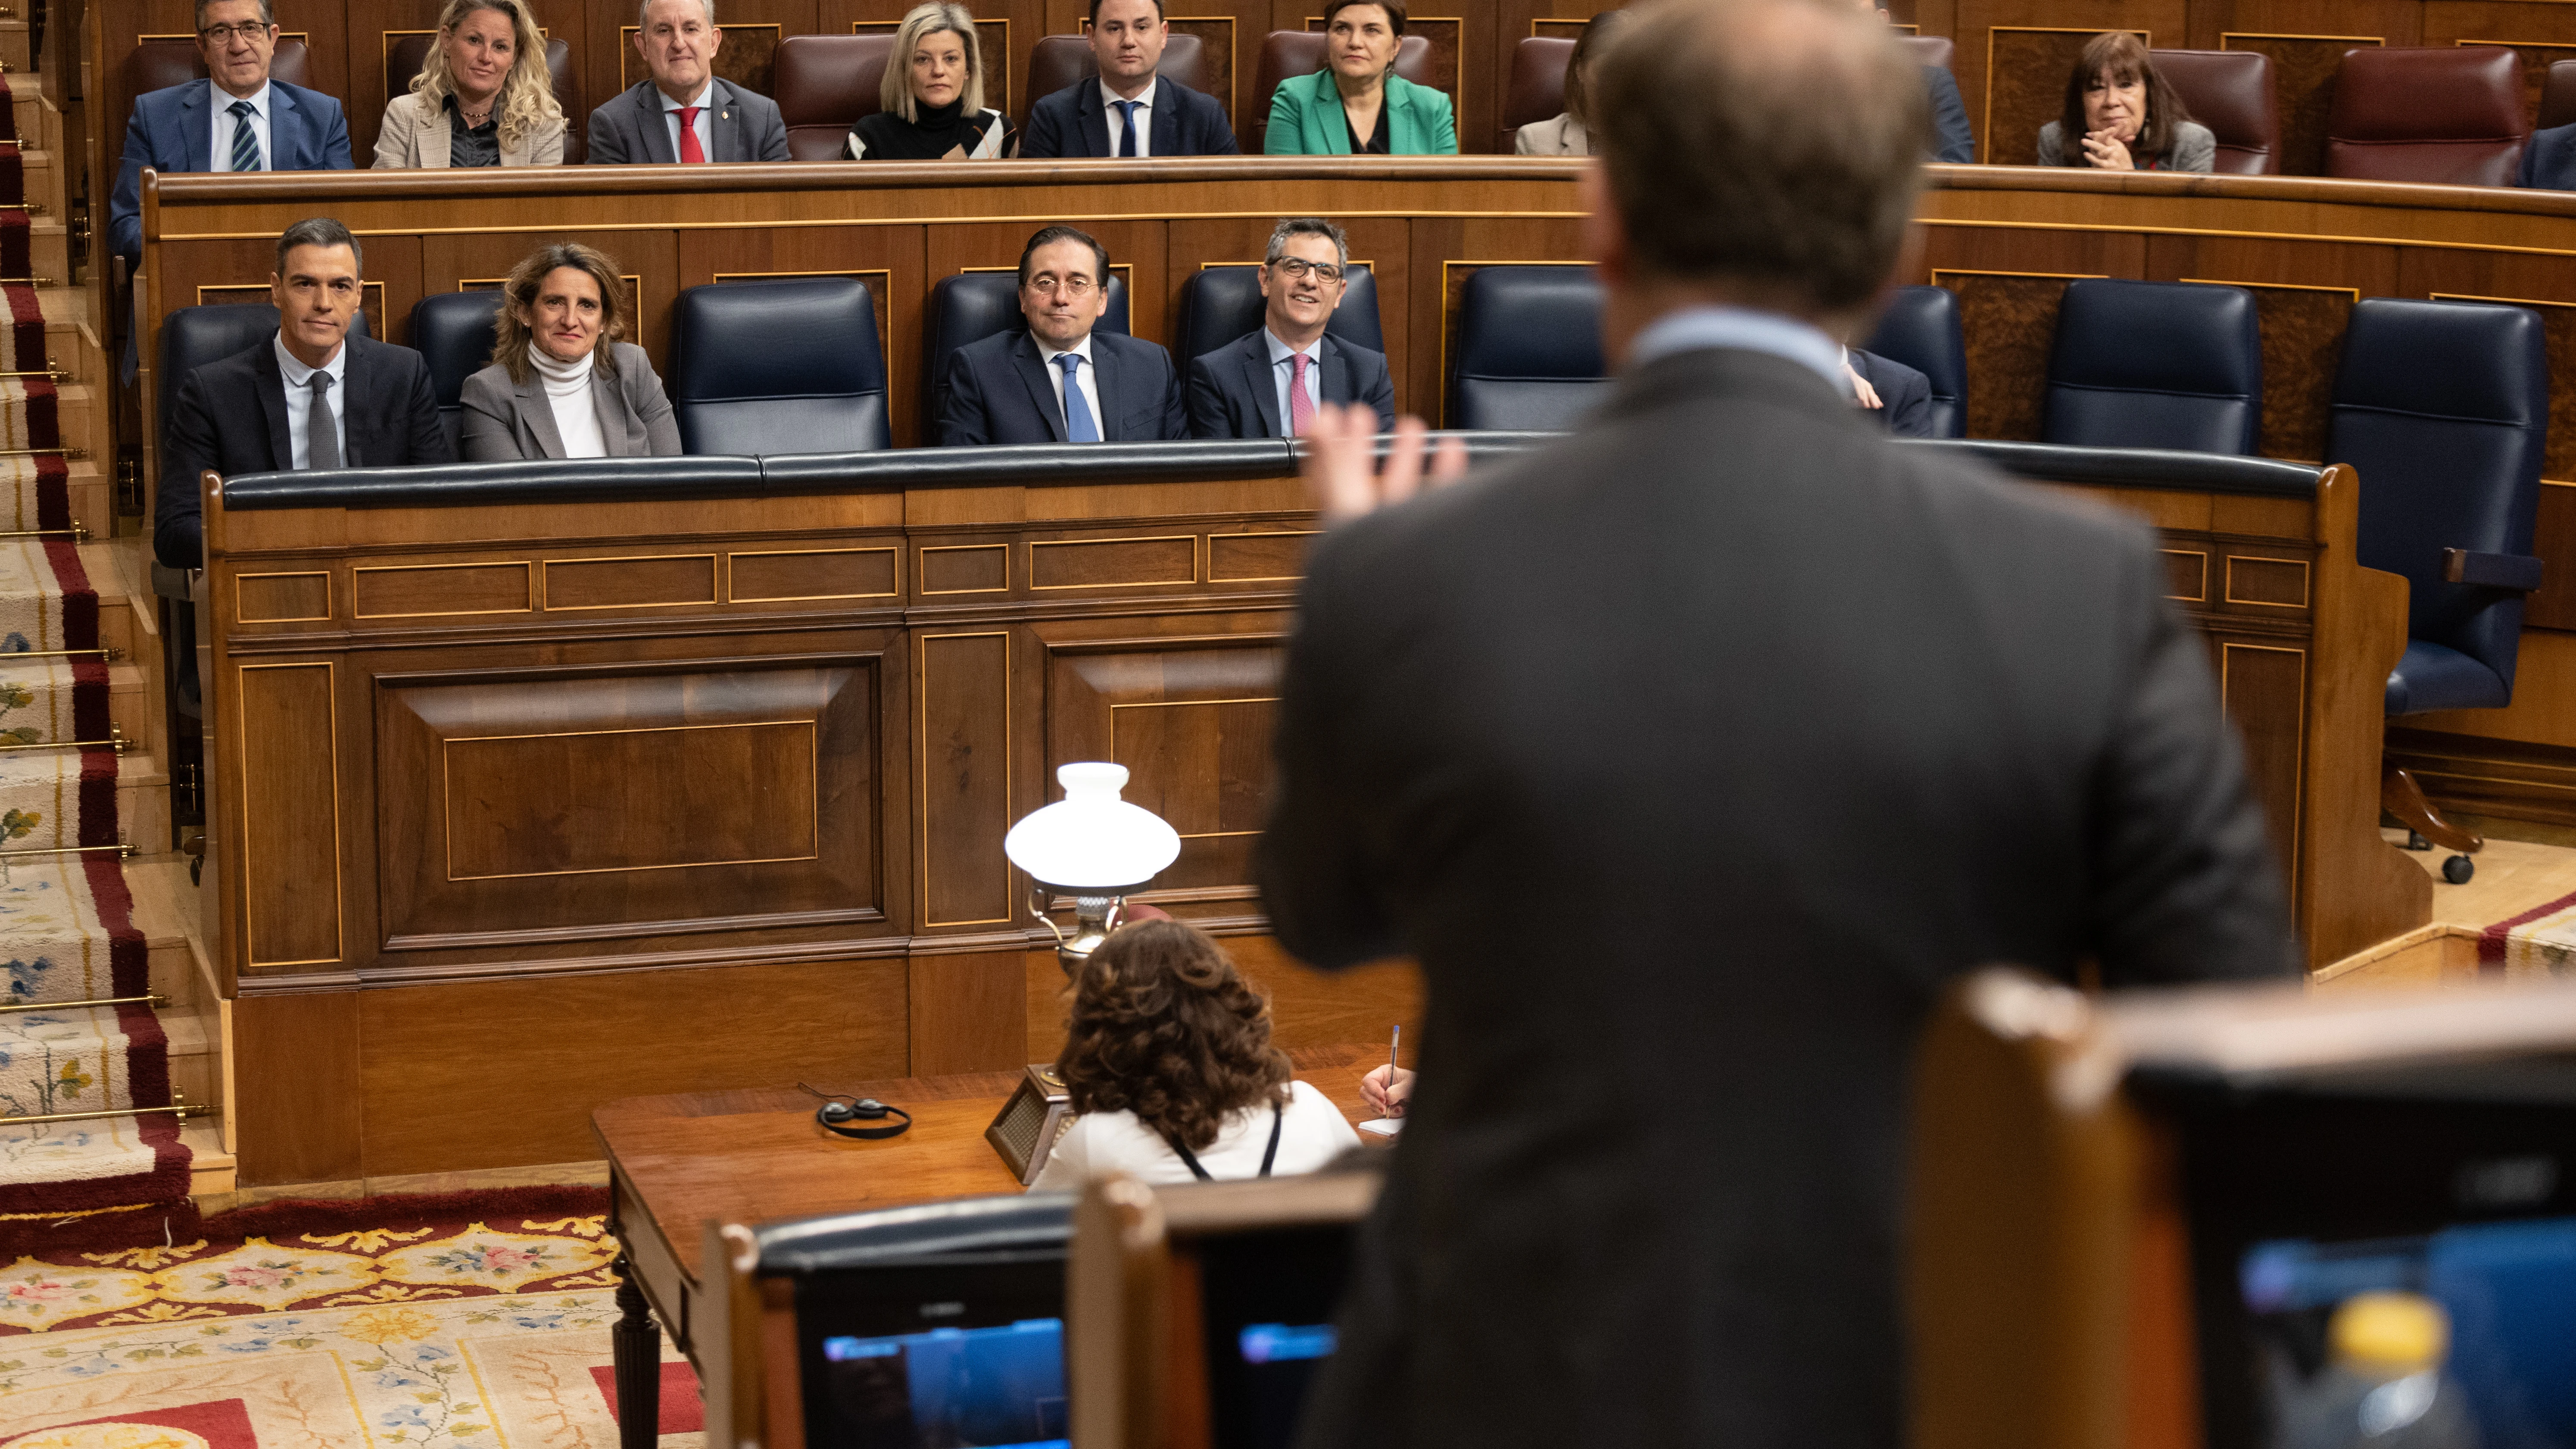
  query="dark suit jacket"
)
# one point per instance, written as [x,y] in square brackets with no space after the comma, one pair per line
[1950,118]
[999,392]
[1234,391]
[230,416]
[2550,160]
[1904,395]
[1683,895]
[629,128]
[173,130]
[1074,122]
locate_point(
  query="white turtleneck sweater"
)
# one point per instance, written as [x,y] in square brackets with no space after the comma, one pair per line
[568,391]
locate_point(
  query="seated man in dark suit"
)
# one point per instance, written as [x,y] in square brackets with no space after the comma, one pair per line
[1127,110]
[1899,395]
[1060,381]
[682,112]
[2549,161]
[311,396]
[1269,382]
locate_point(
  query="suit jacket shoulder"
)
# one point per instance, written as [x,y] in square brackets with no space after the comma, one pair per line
[2195,148]
[2550,160]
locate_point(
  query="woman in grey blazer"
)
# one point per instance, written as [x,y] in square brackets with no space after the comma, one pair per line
[2122,116]
[483,96]
[561,384]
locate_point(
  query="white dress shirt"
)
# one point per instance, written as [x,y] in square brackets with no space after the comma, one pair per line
[1087,388]
[1281,372]
[221,132]
[1144,103]
[299,400]
[704,124]
[1312,1132]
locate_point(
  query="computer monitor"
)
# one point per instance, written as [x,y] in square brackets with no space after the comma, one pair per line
[1266,1299]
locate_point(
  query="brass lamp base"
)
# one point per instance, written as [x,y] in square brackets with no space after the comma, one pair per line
[1094,917]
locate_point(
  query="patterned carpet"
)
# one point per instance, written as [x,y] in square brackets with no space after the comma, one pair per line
[475,1320]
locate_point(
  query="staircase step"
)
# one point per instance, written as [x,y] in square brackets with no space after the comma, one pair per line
[71,335]
[17,50]
[166,912]
[210,1166]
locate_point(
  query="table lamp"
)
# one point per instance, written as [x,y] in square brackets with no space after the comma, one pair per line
[1091,846]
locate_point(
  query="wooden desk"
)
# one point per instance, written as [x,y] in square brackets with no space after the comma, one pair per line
[677,1163]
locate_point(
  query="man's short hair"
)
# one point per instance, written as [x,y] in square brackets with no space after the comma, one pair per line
[267,13]
[1775,146]
[1095,12]
[644,8]
[1297,226]
[319,231]
[1047,236]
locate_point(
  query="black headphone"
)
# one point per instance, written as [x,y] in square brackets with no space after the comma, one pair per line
[837,1112]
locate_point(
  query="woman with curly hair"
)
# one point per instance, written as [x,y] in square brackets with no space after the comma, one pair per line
[483,96]
[1168,1060]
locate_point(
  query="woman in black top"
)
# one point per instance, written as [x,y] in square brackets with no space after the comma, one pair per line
[933,95]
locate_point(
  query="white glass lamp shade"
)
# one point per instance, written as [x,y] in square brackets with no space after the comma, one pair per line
[1091,842]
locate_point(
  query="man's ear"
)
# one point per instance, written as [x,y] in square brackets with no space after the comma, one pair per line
[716,44]
[277,290]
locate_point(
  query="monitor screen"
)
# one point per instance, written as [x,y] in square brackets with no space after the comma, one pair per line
[954,1356]
[1268,1300]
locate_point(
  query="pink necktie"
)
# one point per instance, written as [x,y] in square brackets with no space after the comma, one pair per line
[1301,408]
[690,150]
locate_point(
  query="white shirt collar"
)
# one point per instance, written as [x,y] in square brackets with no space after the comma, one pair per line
[1280,351]
[669,105]
[1048,355]
[223,99]
[1144,98]
[300,376]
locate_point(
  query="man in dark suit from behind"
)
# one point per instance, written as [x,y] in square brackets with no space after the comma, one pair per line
[2549,162]
[1692,757]
[309,396]
[1127,109]
[1897,396]
[682,111]
[1061,381]
[1269,382]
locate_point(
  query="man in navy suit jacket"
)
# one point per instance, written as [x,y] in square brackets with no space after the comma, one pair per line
[2549,161]
[1900,396]
[196,126]
[1091,116]
[1247,388]
[1061,381]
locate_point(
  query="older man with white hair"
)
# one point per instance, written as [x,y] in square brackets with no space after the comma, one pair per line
[685,112]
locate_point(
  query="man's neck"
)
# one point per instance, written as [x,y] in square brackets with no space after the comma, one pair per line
[255,89]
[1295,339]
[1632,307]
[693,98]
[1048,347]
[301,355]
[1128,90]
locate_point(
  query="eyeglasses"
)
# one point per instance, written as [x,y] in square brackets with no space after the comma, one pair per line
[1296,269]
[1075,286]
[226,34]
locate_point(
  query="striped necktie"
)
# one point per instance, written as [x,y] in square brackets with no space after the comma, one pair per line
[245,140]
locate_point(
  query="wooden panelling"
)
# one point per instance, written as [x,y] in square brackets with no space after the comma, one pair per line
[729,794]
[965,568]
[2267,583]
[964,692]
[966,1012]
[436,590]
[282,598]
[1102,563]
[629,583]
[2553,538]
[2480,776]
[1268,557]
[305,1124]
[2264,686]
[290,866]
[814,575]
[2187,575]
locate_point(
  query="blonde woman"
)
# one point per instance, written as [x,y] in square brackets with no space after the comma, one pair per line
[482,98]
[933,95]
[561,383]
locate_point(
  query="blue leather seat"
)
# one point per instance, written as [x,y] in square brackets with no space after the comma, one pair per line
[2174,365]
[454,331]
[1221,304]
[789,365]
[1528,349]
[971,306]
[1920,328]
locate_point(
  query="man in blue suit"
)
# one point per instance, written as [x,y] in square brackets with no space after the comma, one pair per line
[1270,382]
[235,120]
[1061,381]
[1127,109]
[2549,162]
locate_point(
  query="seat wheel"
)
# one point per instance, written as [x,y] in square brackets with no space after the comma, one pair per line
[2458,869]
[2417,842]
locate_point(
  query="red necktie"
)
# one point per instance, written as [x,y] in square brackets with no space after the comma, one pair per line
[690,150]
[1301,408]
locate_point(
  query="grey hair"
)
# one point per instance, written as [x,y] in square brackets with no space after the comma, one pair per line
[319,231]
[1297,226]
[894,93]
[267,13]
[644,8]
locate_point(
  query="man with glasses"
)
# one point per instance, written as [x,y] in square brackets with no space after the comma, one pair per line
[1061,381]
[1270,382]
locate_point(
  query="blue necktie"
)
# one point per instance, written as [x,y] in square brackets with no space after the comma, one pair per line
[1127,137]
[245,140]
[1078,427]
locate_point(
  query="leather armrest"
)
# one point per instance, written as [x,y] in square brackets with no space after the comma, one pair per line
[2515,572]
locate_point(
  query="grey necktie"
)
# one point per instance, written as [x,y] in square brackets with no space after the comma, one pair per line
[321,439]
[245,140]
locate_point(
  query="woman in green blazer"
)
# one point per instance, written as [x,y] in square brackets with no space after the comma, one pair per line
[1357,104]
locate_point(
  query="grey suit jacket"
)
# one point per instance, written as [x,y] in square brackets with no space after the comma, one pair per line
[2195,148]
[506,421]
[630,128]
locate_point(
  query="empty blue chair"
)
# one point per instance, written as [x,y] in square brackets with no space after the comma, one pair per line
[1222,303]
[2174,365]
[1920,328]
[971,306]
[1528,349]
[785,366]
[454,331]
[2442,409]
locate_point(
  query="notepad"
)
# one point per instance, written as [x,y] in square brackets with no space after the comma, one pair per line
[1383,1126]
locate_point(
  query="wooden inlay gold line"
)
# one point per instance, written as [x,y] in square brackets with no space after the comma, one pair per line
[921,565]
[1445,293]
[2508,301]
[2225,36]
[921,694]
[250,939]
[322,574]
[1191,539]
[2352,292]
[1214,578]
[734,598]
[2201,594]
[2134,229]
[527,571]
[2234,559]
[1986,132]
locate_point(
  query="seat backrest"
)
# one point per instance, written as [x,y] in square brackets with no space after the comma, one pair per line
[1920,328]
[784,365]
[2558,96]
[1528,352]
[1537,88]
[454,331]
[2156,365]
[1221,303]
[2448,115]
[825,84]
[2230,92]
[1057,61]
[162,61]
[405,57]
[1289,53]
[191,337]
[1934,49]
[2443,410]
[971,306]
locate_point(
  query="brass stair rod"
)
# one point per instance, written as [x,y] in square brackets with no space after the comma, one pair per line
[123,848]
[110,655]
[78,530]
[54,374]
[155,999]
[115,740]
[73,453]
[178,1105]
